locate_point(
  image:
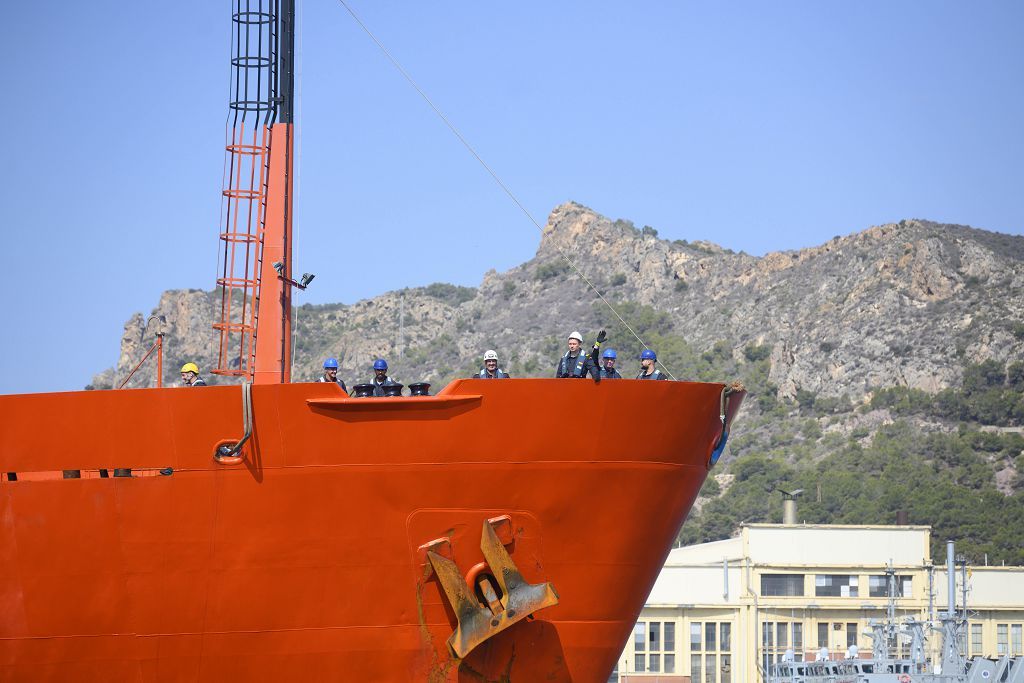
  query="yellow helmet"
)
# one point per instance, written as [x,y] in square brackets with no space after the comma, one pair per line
[190,367]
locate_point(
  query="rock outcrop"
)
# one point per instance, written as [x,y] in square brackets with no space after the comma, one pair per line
[898,304]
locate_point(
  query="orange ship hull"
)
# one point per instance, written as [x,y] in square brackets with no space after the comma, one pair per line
[303,561]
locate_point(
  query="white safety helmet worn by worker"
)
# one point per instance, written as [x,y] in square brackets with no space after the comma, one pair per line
[575,342]
[491,354]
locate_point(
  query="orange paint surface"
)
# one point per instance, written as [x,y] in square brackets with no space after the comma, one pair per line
[302,562]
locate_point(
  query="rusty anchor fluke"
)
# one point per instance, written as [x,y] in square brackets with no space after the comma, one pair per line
[478,622]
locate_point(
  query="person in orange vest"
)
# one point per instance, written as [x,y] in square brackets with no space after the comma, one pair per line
[190,375]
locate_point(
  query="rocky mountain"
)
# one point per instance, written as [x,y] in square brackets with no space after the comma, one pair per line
[914,324]
[899,304]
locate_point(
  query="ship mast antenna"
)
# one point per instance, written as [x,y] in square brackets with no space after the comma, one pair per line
[498,180]
[255,335]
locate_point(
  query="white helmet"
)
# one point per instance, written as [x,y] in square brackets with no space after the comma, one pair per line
[490,354]
[577,336]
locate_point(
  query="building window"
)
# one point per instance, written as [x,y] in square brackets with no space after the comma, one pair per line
[717,649]
[782,584]
[726,668]
[851,634]
[835,586]
[654,645]
[976,640]
[878,586]
[1002,639]
[776,643]
[782,635]
[822,634]
[1015,638]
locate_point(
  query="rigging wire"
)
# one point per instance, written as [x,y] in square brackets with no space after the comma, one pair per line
[297,131]
[491,172]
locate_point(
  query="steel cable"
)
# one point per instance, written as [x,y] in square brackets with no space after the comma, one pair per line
[493,175]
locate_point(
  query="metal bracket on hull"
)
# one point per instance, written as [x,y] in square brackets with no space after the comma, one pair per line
[228,452]
[723,437]
[518,600]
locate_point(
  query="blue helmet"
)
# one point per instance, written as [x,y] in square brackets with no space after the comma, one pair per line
[331,363]
[647,353]
[380,364]
[609,353]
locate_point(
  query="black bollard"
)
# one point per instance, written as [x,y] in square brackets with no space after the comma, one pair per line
[419,389]
[363,390]
[393,389]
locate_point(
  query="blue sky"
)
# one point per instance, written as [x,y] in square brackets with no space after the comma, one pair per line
[759,126]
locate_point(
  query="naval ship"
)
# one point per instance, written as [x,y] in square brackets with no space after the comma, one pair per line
[884,667]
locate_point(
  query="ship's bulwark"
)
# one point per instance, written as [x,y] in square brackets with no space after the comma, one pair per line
[302,563]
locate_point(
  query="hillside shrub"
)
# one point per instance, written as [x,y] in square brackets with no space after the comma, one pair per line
[546,271]
[754,353]
[453,295]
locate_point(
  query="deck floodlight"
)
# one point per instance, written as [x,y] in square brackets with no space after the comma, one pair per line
[306,279]
[279,267]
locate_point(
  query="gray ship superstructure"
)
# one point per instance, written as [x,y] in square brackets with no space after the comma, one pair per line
[885,666]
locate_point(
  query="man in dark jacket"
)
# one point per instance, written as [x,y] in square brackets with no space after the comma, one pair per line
[575,363]
[491,369]
[380,377]
[608,370]
[647,360]
[331,374]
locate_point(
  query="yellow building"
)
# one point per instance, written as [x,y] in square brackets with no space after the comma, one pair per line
[720,611]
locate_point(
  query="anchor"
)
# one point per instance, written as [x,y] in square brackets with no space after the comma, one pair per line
[518,600]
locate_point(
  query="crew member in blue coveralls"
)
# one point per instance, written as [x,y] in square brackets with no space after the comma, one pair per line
[491,369]
[331,374]
[575,363]
[608,370]
[380,376]
[647,360]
